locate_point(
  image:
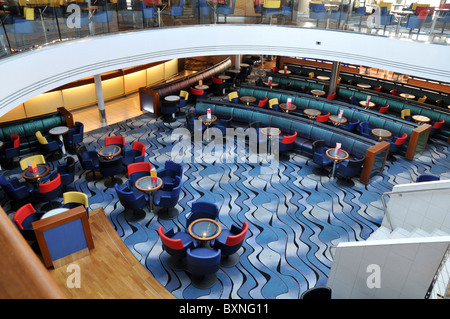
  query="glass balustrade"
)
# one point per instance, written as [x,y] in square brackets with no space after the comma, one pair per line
[30,24]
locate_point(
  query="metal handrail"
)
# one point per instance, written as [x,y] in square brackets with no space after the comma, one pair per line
[438,272]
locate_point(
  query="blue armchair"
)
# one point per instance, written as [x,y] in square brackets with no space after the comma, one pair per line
[167,197]
[130,199]
[11,149]
[317,12]
[351,126]
[134,155]
[111,168]
[16,190]
[320,157]
[67,172]
[229,242]
[350,168]
[177,11]
[202,209]
[176,245]
[427,178]
[364,129]
[88,160]
[170,171]
[226,9]
[24,217]
[75,135]
[203,264]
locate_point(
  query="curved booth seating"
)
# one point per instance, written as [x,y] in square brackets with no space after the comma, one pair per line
[229,242]
[132,200]
[203,264]
[75,199]
[201,209]
[176,245]
[427,178]
[222,125]
[16,190]
[24,217]
[320,293]
[135,154]
[167,198]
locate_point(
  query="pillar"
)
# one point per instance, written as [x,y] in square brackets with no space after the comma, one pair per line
[334,77]
[100,100]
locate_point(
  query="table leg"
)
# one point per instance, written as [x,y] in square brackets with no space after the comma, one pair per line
[150,202]
[334,168]
[63,148]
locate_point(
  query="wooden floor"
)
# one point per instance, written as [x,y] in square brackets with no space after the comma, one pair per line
[110,271]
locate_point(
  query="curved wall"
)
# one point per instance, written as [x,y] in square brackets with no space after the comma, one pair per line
[28,74]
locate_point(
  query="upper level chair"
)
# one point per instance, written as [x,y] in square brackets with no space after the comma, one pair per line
[204,10]
[105,18]
[202,209]
[226,9]
[287,143]
[135,154]
[406,114]
[360,12]
[318,12]
[339,15]
[436,127]
[170,171]
[320,157]
[177,11]
[384,109]
[10,149]
[89,161]
[16,190]
[416,22]
[262,103]
[67,172]
[323,118]
[229,242]
[129,199]
[20,28]
[271,8]
[74,136]
[446,18]
[116,140]
[350,168]
[422,99]
[24,217]
[203,264]
[167,198]
[136,171]
[318,293]
[46,192]
[176,244]
[427,178]
[75,199]
[287,10]
[111,168]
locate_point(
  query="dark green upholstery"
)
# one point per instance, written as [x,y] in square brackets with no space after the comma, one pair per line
[295,84]
[27,128]
[395,126]
[307,130]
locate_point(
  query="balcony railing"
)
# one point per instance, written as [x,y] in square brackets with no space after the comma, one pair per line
[30,24]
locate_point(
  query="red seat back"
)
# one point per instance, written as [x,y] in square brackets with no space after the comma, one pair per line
[331,96]
[438,125]
[420,9]
[289,139]
[139,167]
[196,91]
[236,239]
[217,80]
[384,109]
[49,186]
[175,244]
[323,118]
[139,147]
[22,213]
[119,140]
[16,140]
[377,89]
[263,103]
[401,140]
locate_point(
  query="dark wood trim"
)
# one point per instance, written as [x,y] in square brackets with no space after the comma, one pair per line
[69,118]
[369,162]
[421,132]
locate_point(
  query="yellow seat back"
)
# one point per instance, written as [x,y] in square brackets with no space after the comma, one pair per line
[422,99]
[273,101]
[232,95]
[39,159]
[385,4]
[76,197]
[311,74]
[415,5]
[272,4]
[41,138]
[184,94]
[405,112]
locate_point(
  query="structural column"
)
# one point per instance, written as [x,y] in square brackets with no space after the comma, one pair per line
[100,100]
[334,77]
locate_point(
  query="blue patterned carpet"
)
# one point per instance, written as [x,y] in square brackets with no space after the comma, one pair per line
[294,215]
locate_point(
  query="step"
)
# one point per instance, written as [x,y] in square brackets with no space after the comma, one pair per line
[380,233]
[438,232]
[399,233]
[419,233]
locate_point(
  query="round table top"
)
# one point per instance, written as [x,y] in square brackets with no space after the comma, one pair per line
[421,118]
[318,92]
[364,103]
[145,184]
[273,84]
[335,119]
[109,151]
[270,131]
[205,229]
[245,65]
[381,133]
[285,107]
[54,212]
[363,85]
[172,98]
[224,77]
[248,99]
[42,171]
[202,87]
[58,130]
[323,78]
[283,71]
[234,71]
[204,118]
[331,153]
[312,112]
[407,96]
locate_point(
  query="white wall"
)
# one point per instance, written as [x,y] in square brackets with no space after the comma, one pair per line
[34,72]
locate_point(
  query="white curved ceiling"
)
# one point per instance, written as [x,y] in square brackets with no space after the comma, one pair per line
[28,74]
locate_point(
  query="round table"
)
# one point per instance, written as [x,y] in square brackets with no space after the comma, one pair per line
[284,106]
[317,93]
[202,87]
[204,229]
[337,121]
[271,85]
[323,78]
[60,131]
[365,105]
[172,98]
[381,133]
[420,119]
[270,132]
[331,153]
[407,96]
[247,99]
[284,71]
[312,113]
[146,185]
[42,171]
[224,77]
[109,151]
[54,212]
[363,86]
[207,121]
